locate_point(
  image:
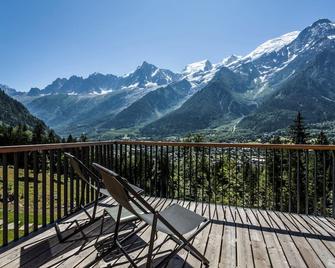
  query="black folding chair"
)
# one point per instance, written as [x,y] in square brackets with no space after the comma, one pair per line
[175,221]
[92,181]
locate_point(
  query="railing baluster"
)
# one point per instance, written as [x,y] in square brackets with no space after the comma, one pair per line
[121,160]
[333,184]
[190,173]
[156,171]
[65,185]
[258,178]
[222,175]
[229,176]
[178,163]
[145,175]
[77,180]
[59,200]
[87,162]
[236,188]
[196,173]
[266,180]
[289,183]
[26,194]
[172,183]
[243,177]
[16,196]
[131,174]
[324,196]
[281,179]
[184,174]
[274,189]
[36,171]
[72,178]
[4,200]
[315,183]
[306,182]
[298,181]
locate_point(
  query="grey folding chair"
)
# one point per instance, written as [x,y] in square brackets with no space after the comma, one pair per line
[91,180]
[181,225]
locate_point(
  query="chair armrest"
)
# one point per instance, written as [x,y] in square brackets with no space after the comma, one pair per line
[136,189]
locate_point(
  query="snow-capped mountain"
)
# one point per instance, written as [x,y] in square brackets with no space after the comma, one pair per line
[273,45]
[229,60]
[278,59]
[145,76]
[148,76]
[199,73]
[227,92]
[267,87]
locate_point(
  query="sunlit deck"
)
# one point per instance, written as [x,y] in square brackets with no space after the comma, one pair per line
[237,236]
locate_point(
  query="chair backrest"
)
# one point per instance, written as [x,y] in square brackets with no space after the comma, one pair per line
[121,191]
[81,170]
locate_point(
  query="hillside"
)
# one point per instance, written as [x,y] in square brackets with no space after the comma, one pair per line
[13,113]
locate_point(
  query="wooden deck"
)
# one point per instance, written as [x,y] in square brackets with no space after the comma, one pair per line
[236,237]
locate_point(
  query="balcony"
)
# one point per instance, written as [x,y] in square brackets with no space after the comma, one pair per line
[269,205]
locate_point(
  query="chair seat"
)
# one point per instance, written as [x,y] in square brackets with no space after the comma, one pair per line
[126,215]
[104,192]
[182,219]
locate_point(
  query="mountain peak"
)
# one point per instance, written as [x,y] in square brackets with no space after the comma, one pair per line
[146,64]
[321,21]
[272,45]
[200,66]
[230,59]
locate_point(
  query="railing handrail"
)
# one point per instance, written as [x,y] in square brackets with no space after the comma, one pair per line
[41,147]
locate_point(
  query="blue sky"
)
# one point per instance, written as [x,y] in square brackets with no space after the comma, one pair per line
[41,40]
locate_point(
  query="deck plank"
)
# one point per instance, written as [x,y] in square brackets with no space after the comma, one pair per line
[228,253]
[244,252]
[258,245]
[213,250]
[291,252]
[305,249]
[273,246]
[235,237]
[322,251]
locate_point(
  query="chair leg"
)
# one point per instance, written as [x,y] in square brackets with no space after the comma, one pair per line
[151,243]
[190,248]
[101,227]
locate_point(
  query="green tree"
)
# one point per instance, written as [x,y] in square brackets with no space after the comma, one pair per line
[298,133]
[83,138]
[70,139]
[322,138]
[38,134]
[52,138]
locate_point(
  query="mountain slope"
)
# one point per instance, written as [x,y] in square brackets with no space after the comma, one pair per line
[152,106]
[311,91]
[14,113]
[214,104]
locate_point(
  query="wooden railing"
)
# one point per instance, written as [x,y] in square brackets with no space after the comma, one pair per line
[38,187]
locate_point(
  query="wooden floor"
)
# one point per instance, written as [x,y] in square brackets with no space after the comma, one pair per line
[236,237]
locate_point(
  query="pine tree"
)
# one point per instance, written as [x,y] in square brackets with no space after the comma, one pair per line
[83,138]
[322,138]
[52,138]
[70,139]
[38,134]
[298,133]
